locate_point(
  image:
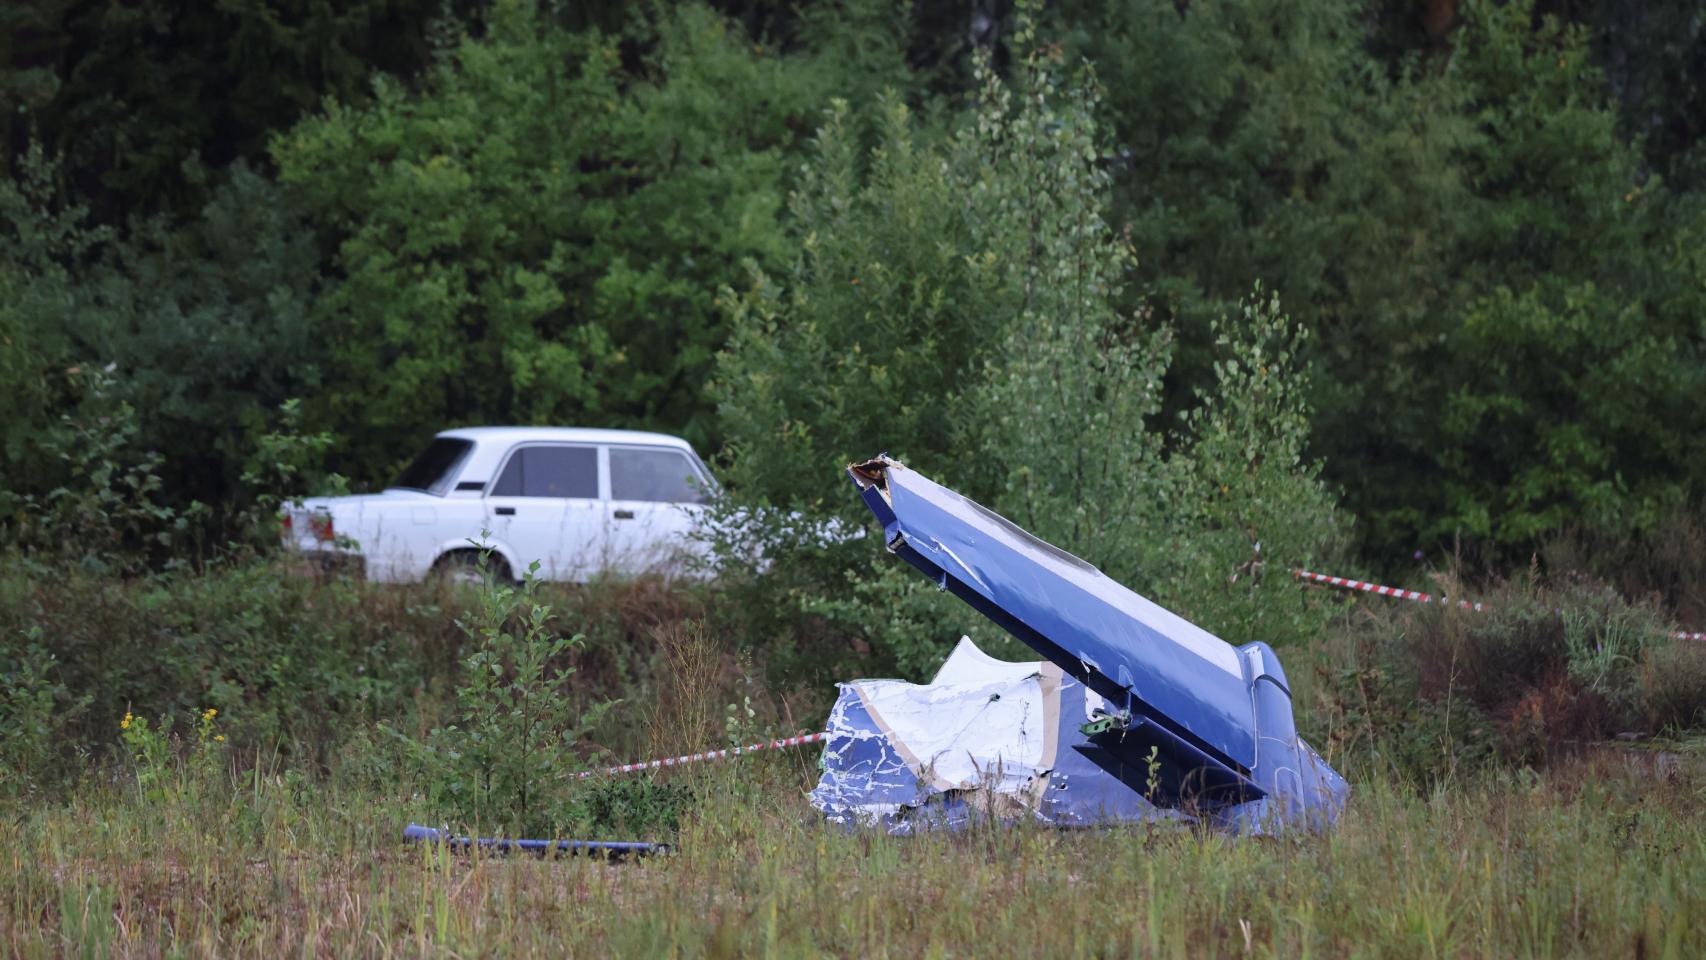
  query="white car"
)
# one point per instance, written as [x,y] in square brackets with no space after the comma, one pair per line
[580,502]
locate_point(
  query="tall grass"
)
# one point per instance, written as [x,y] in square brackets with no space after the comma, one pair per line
[1596,858]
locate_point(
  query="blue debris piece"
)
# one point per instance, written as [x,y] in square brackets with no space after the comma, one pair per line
[983,739]
[611,849]
[1216,719]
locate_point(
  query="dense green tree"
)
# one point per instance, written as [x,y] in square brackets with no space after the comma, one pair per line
[202,331]
[1653,57]
[881,319]
[1257,139]
[36,289]
[129,92]
[537,235]
[959,305]
[1567,389]
[1471,240]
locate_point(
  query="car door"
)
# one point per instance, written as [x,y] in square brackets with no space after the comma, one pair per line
[656,496]
[545,506]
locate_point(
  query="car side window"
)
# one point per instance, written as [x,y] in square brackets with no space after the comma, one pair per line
[659,476]
[550,471]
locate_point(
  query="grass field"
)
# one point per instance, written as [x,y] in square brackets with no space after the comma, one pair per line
[1488,816]
[1601,856]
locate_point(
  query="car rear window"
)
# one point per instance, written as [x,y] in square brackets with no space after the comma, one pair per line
[659,476]
[550,471]
[435,468]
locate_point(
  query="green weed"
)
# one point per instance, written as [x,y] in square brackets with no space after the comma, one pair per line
[509,760]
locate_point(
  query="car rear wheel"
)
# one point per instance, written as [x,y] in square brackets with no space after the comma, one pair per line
[462,567]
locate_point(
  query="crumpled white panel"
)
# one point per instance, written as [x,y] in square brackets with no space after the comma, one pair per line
[960,736]
[984,738]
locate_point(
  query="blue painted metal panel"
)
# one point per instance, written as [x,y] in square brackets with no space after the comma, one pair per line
[1215,718]
[1118,643]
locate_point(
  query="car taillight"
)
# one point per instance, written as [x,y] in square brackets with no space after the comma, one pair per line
[321,525]
[284,524]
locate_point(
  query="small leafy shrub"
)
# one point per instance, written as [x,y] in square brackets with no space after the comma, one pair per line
[150,755]
[35,710]
[633,806]
[105,513]
[740,723]
[283,467]
[918,624]
[508,762]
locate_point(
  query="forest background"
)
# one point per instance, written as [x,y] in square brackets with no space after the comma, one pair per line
[1201,291]
[410,216]
[1204,291]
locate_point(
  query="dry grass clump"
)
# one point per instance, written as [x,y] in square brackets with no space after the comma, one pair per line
[1545,669]
[1673,685]
[696,676]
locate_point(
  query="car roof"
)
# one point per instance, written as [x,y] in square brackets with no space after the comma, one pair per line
[565,435]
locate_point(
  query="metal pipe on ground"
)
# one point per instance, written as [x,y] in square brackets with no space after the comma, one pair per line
[607,849]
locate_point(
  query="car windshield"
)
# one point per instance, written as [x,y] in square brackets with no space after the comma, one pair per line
[435,468]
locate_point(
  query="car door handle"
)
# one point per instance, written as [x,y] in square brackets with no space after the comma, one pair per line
[506,511]
[624,514]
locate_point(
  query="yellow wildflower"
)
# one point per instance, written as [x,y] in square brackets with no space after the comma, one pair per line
[219,737]
[209,713]
[125,723]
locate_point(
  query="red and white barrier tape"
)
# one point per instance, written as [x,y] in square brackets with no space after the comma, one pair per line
[710,755]
[1418,596]
[1384,591]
